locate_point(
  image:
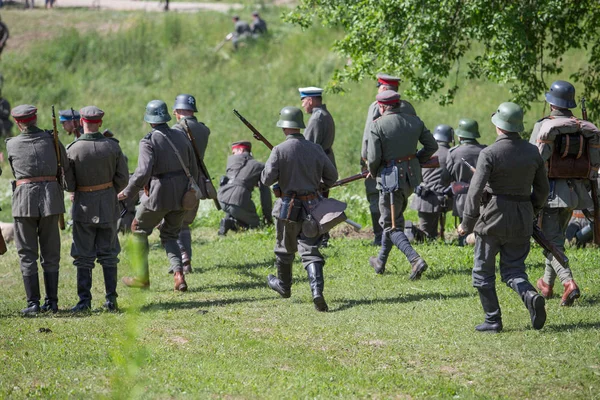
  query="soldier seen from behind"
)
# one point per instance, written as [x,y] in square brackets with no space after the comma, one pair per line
[37,202]
[241,31]
[393,159]
[5,122]
[184,109]
[166,159]
[300,168]
[258,26]
[505,174]
[431,199]
[98,171]
[235,192]
[3,36]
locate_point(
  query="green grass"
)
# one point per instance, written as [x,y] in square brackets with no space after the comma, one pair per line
[230,336]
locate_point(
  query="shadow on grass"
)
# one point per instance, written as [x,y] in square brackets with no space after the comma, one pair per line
[170,305]
[262,264]
[588,300]
[347,304]
[590,325]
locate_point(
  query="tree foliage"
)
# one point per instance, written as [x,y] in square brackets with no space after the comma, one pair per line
[514,42]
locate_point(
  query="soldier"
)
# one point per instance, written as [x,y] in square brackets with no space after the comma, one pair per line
[393,143]
[299,167]
[70,122]
[384,82]
[5,122]
[258,25]
[456,170]
[184,109]
[98,171]
[3,35]
[241,31]
[235,193]
[165,159]
[507,170]
[36,205]
[430,200]
[565,196]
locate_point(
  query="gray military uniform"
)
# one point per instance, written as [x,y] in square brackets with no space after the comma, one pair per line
[320,129]
[565,196]
[241,31]
[243,175]
[5,122]
[432,202]
[160,169]
[299,166]
[36,206]
[95,160]
[509,167]
[457,171]
[259,26]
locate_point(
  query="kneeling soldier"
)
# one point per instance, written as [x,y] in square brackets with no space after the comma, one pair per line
[509,168]
[98,171]
[299,166]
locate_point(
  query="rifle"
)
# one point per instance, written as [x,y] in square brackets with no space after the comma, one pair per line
[594,187]
[349,179]
[76,131]
[59,171]
[222,43]
[433,162]
[472,168]
[209,185]
[257,135]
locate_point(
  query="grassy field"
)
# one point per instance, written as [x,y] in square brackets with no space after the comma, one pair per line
[230,336]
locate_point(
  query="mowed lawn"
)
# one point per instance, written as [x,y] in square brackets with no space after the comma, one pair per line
[230,336]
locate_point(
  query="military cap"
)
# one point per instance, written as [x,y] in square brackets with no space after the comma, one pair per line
[509,117]
[24,113]
[242,144]
[255,13]
[388,80]
[185,102]
[236,17]
[310,91]
[388,97]
[467,128]
[67,115]
[91,114]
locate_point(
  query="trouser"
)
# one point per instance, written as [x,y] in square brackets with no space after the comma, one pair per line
[554,224]
[397,237]
[247,215]
[93,242]
[373,199]
[29,231]
[428,222]
[144,223]
[290,240]
[185,235]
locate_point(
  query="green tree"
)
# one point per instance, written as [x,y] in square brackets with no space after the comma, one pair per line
[514,42]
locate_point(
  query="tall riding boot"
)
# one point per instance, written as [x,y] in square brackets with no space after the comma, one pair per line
[534,302]
[110,286]
[377,230]
[185,245]
[378,263]
[140,262]
[316,281]
[32,291]
[227,224]
[51,285]
[491,307]
[418,265]
[84,287]
[282,283]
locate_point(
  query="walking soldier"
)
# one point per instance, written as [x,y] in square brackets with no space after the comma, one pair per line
[37,203]
[392,158]
[165,161]
[300,167]
[507,170]
[98,171]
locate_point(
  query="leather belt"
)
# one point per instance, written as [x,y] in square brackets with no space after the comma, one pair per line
[307,197]
[402,159]
[169,174]
[94,188]
[513,197]
[36,179]
[578,214]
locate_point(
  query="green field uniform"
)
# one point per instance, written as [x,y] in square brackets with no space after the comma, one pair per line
[160,169]
[431,203]
[320,129]
[95,161]
[243,175]
[565,196]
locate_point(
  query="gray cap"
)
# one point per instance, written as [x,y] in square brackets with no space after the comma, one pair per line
[388,97]
[388,80]
[24,112]
[68,115]
[91,114]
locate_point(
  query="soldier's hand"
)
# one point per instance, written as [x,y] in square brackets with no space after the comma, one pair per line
[461,230]
[122,196]
[369,176]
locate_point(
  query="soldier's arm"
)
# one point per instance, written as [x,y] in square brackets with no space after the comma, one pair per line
[194,170]
[374,151]
[121,177]
[541,187]
[66,164]
[330,174]
[266,201]
[366,133]
[473,200]
[430,146]
[270,174]
[143,172]
[70,181]
[314,130]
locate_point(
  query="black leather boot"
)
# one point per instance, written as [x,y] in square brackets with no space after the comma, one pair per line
[282,283]
[84,287]
[378,263]
[535,303]
[377,230]
[316,281]
[51,285]
[32,291]
[418,265]
[227,224]
[493,315]
[110,286]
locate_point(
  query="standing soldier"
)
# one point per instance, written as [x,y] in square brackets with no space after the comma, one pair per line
[430,200]
[5,122]
[299,167]
[393,145]
[384,82]
[165,157]
[184,109]
[98,171]
[235,193]
[507,170]
[456,170]
[258,25]
[36,205]
[566,195]
[70,122]
[3,35]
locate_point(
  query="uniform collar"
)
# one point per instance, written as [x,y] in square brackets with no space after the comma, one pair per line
[295,136]
[192,118]
[322,107]
[509,136]
[561,113]
[31,130]
[469,141]
[91,136]
[444,144]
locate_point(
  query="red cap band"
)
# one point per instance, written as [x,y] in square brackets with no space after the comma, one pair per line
[240,146]
[394,101]
[386,82]
[26,119]
[91,121]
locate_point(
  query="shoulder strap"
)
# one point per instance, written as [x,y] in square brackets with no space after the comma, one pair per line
[185,169]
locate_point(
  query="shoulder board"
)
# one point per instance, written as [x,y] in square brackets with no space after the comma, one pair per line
[71,144]
[453,148]
[113,139]
[7,139]
[541,119]
[149,135]
[50,132]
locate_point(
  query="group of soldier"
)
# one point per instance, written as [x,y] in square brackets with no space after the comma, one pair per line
[243,30]
[498,199]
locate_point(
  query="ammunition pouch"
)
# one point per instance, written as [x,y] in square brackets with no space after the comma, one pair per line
[223,181]
[291,209]
[389,177]
[323,215]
